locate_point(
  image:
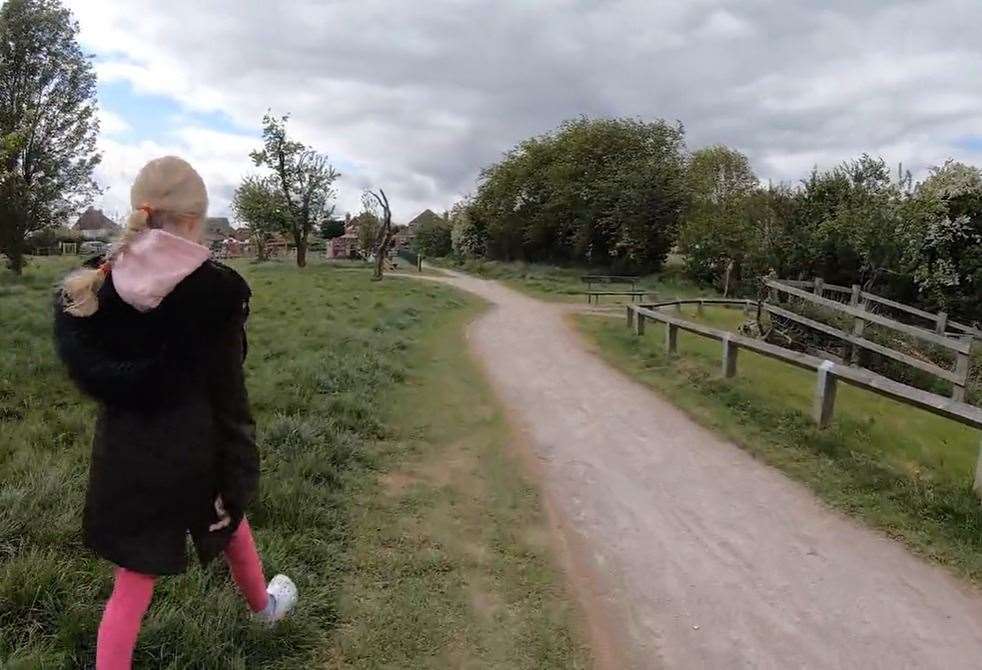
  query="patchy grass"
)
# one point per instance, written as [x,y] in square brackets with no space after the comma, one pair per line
[900,469]
[333,361]
[453,554]
[563,284]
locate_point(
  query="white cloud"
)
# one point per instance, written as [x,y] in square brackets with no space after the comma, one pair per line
[111,123]
[417,97]
[217,156]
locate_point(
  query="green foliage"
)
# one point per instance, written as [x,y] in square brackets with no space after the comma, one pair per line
[433,238]
[599,191]
[720,225]
[944,240]
[367,224]
[48,123]
[468,237]
[303,177]
[331,228]
[852,224]
[259,203]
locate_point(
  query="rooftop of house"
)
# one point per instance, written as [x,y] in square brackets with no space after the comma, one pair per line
[94,219]
[218,228]
[424,216]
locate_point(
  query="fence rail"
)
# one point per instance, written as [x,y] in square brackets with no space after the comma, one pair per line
[941,322]
[961,346]
[828,372]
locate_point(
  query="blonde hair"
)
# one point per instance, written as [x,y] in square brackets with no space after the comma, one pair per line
[166,191]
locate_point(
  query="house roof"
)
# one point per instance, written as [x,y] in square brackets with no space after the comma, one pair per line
[218,228]
[94,219]
[425,215]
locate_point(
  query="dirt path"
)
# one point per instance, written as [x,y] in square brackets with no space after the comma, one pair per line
[700,556]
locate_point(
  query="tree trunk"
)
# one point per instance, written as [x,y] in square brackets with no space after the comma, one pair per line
[379,259]
[301,253]
[15,259]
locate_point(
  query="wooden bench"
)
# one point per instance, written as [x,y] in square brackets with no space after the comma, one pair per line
[594,296]
[590,280]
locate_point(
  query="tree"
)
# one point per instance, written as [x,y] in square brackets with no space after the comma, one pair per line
[468,238]
[367,225]
[331,228]
[383,235]
[258,203]
[48,123]
[944,239]
[304,178]
[433,237]
[717,231]
[603,191]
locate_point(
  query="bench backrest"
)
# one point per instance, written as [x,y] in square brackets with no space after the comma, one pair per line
[609,279]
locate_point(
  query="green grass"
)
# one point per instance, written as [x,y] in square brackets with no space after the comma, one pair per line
[900,469]
[334,368]
[563,284]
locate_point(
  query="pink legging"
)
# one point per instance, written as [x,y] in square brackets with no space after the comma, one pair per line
[132,592]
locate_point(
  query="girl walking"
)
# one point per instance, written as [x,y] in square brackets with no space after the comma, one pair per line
[154,331]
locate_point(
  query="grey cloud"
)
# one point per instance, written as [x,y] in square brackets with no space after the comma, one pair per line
[420,96]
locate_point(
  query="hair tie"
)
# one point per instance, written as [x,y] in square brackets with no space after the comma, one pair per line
[145,208]
[105,268]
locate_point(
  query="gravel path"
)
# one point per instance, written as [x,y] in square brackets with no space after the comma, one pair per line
[690,553]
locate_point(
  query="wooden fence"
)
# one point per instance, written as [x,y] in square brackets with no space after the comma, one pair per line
[960,345]
[829,373]
[940,322]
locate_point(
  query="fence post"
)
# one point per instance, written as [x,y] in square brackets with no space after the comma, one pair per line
[858,326]
[856,291]
[678,305]
[419,262]
[730,351]
[941,323]
[961,370]
[639,324]
[671,338]
[819,283]
[700,309]
[824,403]
[630,316]
[746,307]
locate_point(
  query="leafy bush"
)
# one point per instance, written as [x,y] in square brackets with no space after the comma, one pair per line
[599,191]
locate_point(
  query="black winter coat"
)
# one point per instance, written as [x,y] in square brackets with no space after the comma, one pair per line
[174,428]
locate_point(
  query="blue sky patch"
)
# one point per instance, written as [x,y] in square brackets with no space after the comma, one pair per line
[969,143]
[155,117]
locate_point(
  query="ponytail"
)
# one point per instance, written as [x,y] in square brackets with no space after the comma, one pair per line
[80,289]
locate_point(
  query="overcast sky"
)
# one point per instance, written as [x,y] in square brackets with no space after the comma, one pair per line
[416,97]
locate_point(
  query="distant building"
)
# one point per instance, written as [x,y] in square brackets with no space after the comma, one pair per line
[217,230]
[93,225]
[345,246]
[426,216]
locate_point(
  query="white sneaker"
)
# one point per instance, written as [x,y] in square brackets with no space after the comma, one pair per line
[282,597]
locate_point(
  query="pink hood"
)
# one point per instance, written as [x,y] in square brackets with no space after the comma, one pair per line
[152,265]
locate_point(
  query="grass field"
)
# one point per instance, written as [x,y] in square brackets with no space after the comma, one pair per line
[563,284]
[900,469]
[386,495]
